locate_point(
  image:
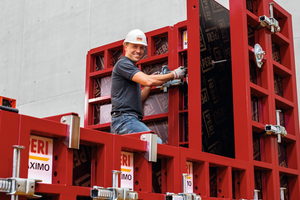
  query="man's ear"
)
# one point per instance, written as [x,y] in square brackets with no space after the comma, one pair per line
[125,46]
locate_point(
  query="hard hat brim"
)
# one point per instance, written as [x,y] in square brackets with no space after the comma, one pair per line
[142,43]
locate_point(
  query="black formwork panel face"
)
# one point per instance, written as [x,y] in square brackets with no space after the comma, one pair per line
[216,79]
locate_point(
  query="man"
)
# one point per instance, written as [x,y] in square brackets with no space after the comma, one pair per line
[126,94]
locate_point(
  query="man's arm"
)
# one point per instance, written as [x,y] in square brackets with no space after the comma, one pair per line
[152,80]
[145,93]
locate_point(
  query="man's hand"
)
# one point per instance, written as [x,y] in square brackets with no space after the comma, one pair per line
[179,73]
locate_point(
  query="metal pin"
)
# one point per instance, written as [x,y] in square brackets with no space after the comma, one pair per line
[271,15]
[278,124]
[218,61]
[282,193]
[184,182]
[115,178]
[16,167]
[271,9]
[256,194]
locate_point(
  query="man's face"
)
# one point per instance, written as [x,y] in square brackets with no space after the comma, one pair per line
[134,51]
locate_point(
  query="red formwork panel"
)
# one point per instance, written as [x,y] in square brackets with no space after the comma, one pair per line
[259,92]
[9,128]
[216,176]
[62,186]
[169,172]
[259,161]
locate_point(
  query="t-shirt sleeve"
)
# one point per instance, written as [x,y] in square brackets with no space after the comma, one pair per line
[127,70]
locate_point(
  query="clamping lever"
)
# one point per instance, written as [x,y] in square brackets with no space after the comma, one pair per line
[269,22]
[165,86]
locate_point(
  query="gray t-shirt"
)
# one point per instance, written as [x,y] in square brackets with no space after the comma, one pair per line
[125,93]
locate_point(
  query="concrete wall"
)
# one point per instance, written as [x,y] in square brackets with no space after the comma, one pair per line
[43,44]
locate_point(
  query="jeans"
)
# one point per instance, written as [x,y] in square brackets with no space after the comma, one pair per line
[126,123]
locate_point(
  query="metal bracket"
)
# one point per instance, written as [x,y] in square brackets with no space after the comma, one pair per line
[114,193]
[19,186]
[259,55]
[73,132]
[184,195]
[151,153]
[270,22]
[15,185]
[165,86]
[276,129]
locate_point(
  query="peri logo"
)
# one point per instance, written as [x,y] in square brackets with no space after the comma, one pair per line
[139,39]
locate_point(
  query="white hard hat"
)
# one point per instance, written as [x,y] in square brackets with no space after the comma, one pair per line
[136,36]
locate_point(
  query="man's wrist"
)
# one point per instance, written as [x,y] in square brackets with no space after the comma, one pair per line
[175,74]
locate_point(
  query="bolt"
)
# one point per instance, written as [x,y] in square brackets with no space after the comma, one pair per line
[63,120]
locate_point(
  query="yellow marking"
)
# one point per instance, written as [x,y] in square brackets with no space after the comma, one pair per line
[188,177]
[38,158]
[125,170]
[185,36]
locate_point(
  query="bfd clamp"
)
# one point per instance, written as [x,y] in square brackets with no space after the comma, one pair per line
[165,86]
[114,193]
[15,185]
[184,195]
[276,129]
[270,22]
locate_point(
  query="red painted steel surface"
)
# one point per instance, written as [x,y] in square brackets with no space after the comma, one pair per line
[270,165]
[260,162]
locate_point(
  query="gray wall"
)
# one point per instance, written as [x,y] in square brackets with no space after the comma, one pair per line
[43,44]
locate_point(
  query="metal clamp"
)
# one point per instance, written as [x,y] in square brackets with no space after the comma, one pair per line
[270,22]
[73,131]
[276,129]
[151,153]
[15,185]
[114,193]
[184,195]
[165,86]
[259,55]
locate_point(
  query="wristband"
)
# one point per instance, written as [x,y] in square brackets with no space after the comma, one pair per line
[175,74]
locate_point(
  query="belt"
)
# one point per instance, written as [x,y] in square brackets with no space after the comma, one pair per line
[116,113]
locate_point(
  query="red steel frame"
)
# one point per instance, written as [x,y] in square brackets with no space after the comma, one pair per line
[235,177]
[243,88]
